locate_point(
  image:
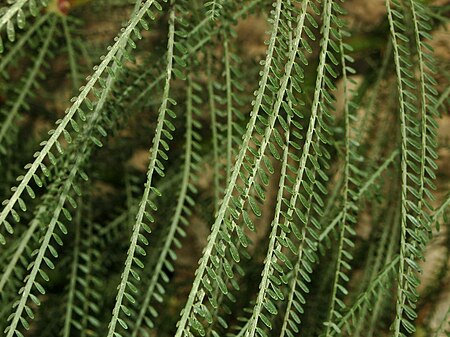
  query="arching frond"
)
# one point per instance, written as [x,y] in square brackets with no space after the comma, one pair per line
[414,219]
[158,151]
[106,65]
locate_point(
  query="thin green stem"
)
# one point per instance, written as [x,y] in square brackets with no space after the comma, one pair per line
[25,90]
[404,177]
[156,271]
[73,277]
[229,108]
[71,53]
[214,138]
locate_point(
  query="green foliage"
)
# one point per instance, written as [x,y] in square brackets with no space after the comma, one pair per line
[323,188]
